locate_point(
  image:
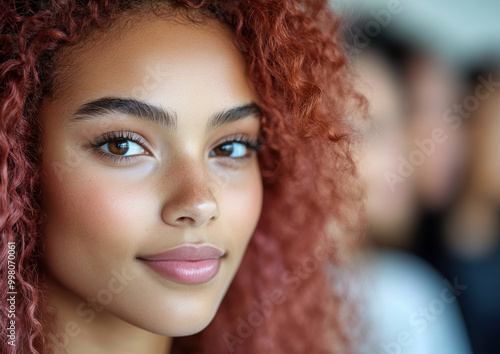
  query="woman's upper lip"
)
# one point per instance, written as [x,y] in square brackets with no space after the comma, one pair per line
[187,252]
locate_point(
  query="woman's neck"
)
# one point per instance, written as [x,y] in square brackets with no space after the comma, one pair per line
[83,327]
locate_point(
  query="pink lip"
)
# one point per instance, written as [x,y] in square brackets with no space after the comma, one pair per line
[188,264]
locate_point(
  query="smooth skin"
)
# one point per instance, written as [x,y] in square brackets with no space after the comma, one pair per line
[150,187]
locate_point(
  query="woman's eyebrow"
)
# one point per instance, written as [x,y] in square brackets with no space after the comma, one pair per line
[233,114]
[125,106]
[138,109]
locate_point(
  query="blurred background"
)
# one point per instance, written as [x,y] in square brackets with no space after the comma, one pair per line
[430,158]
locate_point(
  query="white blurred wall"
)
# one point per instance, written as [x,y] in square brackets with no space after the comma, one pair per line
[463,31]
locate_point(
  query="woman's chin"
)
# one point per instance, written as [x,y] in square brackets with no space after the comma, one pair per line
[179,324]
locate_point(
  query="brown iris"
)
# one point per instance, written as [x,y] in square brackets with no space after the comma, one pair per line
[118,147]
[223,150]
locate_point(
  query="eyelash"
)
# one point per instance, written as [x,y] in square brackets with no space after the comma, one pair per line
[117,135]
[253,144]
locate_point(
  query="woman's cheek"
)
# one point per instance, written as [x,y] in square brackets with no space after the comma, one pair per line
[93,217]
[243,204]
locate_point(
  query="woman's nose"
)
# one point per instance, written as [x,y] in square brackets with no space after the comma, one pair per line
[192,202]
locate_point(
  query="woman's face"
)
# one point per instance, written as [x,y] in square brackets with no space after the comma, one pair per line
[149,145]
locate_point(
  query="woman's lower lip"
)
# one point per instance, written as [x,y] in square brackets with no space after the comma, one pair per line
[187,272]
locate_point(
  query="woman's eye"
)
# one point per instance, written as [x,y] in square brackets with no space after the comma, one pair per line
[232,149]
[123,147]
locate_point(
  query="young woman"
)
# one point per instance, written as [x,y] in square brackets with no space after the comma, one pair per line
[150,147]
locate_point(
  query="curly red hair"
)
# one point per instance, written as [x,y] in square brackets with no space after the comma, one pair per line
[281,300]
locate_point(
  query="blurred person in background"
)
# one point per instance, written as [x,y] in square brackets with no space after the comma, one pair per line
[458,228]
[435,89]
[409,307]
[434,86]
[390,208]
[470,247]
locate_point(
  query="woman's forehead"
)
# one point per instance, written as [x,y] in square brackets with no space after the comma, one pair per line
[187,68]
